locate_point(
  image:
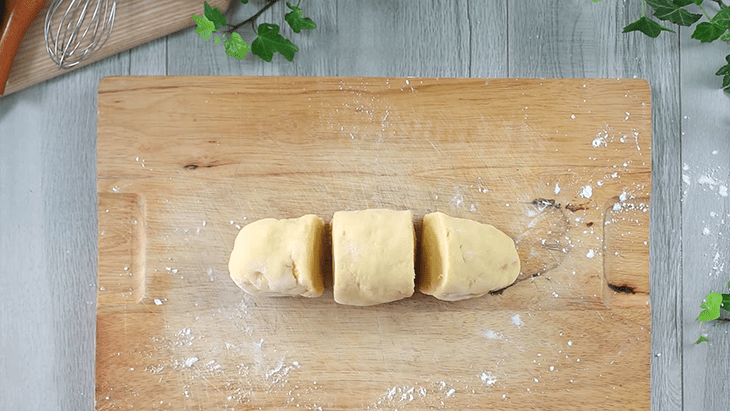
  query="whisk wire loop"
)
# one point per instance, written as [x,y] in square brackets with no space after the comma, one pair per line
[75,29]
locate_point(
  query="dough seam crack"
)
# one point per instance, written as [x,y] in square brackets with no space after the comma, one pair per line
[294,271]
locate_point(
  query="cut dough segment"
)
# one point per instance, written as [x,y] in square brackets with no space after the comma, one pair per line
[462,258]
[373,256]
[279,258]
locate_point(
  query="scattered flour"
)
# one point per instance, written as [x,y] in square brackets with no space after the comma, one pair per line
[707,180]
[428,395]
[492,335]
[599,141]
[488,378]
[457,199]
[586,192]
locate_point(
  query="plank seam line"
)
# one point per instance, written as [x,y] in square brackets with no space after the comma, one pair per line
[471,35]
[506,14]
[680,298]
[167,56]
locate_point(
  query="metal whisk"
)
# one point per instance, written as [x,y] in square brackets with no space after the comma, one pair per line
[75,29]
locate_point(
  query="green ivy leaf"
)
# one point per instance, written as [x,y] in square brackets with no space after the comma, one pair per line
[722,18]
[672,11]
[244,1]
[649,27]
[215,15]
[205,27]
[708,32]
[701,339]
[236,47]
[725,297]
[268,41]
[725,37]
[297,21]
[682,3]
[711,307]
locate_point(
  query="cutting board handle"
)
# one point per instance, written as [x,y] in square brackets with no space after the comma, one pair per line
[121,248]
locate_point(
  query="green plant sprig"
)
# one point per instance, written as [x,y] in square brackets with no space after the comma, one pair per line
[716,27]
[268,40]
[711,310]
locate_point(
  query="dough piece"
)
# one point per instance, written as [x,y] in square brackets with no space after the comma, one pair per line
[462,258]
[373,256]
[279,258]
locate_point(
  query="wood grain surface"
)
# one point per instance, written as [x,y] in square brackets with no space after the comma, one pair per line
[562,166]
[136,22]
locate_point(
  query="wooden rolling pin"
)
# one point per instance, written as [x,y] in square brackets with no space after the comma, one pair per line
[16,18]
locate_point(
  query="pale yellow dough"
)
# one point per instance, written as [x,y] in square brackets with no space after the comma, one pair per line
[462,258]
[279,258]
[373,256]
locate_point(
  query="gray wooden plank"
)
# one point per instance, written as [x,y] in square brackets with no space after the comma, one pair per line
[48,241]
[582,39]
[384,38]
[556,38]
[705,216]
[26,328]
[317,56]
[394,38]
[487,38]
[149,59]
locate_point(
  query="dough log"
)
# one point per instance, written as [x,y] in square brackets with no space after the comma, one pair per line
[373,256]
[279,257]
[462,258]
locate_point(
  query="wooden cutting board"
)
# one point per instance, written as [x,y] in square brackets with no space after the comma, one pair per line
[562,166]
[137,22]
